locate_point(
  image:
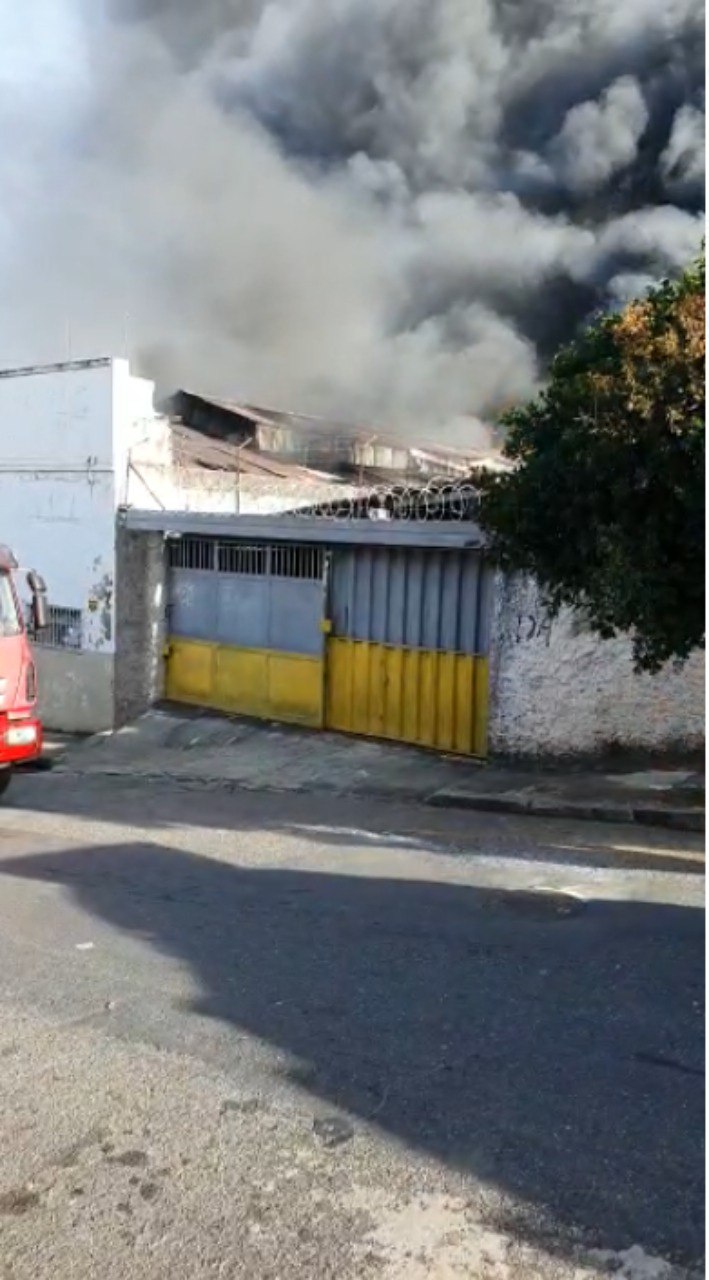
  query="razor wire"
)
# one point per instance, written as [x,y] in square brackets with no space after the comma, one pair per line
[440,498]
[327,497]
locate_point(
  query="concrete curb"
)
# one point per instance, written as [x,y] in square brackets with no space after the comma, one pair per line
[520,803]
[210,782]
[675,819]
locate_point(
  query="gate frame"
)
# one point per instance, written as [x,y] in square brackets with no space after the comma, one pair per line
[459,534]
[332,532]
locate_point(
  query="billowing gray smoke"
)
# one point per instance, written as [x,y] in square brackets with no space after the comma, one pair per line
[380,209]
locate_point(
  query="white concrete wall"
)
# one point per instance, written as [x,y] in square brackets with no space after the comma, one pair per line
[141,438]
[557,689]
[66,432]
[153,485]
[56,486]
[76,690]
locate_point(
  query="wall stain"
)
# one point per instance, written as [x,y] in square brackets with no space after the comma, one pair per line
[100,606]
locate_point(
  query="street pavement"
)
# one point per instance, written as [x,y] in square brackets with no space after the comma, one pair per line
[205,749]
[306,1035]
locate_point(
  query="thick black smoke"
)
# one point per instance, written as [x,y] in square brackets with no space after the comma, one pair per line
[386,209]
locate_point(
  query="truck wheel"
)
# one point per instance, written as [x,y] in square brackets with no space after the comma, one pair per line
[5,779]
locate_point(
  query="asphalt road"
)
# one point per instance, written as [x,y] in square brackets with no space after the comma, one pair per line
[297,1036]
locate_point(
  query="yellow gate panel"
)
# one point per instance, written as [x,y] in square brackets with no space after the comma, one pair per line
[377,689]
[428,697]
[392,700]
[428,701]
[445,694]
[409,705]
[338,673]
[189,675]
[481,706]
[250,682]
[361,690]
[464,729]
[241,681]
[295,688]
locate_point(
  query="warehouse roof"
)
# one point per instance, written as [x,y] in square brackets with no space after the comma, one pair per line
[315,444]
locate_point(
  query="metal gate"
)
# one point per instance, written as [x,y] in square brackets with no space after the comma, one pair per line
[407,653]
[245,628]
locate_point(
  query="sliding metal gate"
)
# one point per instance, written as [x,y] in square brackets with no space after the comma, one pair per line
[407,654]
[245,628]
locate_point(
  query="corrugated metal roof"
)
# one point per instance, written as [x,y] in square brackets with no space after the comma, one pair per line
[332,434]
[193,449]
[309,424]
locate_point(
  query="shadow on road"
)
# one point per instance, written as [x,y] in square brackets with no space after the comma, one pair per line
[557,1057]
[171,805]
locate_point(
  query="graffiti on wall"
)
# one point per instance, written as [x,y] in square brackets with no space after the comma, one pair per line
[533,627]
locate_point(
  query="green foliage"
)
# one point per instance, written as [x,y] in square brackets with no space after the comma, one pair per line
[605,500]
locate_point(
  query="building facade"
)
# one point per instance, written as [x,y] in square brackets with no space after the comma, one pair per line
[67,432]
[208,560]
[374,628]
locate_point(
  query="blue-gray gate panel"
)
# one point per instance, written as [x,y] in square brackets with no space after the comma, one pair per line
[485,604]
[243,611]
[248,611]
[413,607]
[453,604]
[416,598]
[431,571]
[396,614]
[469,634]
[295,616]
[379,597]
[192,604]
[400,596]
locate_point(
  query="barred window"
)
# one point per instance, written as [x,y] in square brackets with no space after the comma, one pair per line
[279,560]
[293,561]
[191,553]
[63,629]
[237,557]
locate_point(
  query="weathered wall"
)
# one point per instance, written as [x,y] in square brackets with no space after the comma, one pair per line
[75,690]
[153,484]
[140,622]
[557,689]
[66,436]
[56,487]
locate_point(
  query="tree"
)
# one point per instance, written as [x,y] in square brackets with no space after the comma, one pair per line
[604,502]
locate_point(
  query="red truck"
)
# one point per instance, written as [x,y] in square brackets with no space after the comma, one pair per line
[20,727]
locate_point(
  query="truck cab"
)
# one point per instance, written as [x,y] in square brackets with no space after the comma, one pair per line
[20,727]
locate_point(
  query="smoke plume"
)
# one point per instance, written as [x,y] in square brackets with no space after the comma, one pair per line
[390,210]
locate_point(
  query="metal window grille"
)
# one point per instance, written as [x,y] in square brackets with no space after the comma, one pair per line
[63,629]
[191,553]
[294,561]
[235,557]
[287,560]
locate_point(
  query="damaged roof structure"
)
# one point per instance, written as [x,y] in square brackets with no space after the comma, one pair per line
[292,462]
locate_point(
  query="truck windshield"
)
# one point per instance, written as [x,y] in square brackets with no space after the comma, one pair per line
[10,624]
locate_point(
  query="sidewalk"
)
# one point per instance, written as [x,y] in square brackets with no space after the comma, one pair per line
[204,750]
